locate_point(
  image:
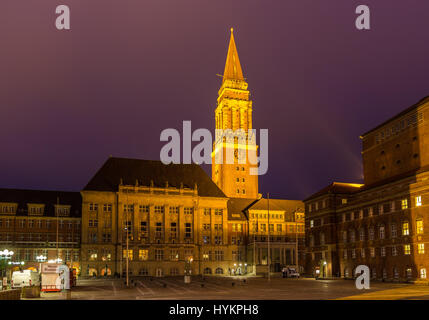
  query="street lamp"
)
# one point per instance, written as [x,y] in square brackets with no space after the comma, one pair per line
[41,258]
[6,254]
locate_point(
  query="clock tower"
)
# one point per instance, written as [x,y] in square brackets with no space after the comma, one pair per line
[234,112]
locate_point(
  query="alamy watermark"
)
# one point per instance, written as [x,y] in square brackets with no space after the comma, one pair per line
[362,281]
[240,147]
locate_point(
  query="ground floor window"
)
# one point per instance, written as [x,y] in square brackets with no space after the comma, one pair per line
[106,271]
[409,272]
[346,272]
[92,272]
[143,272]
[174,271]
[423,273]
[395,273]
[384,273]
[219,271]
[207,271]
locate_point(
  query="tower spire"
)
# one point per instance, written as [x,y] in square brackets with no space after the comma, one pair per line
[232,66]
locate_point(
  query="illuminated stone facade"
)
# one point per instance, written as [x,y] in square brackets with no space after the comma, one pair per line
[40,223]
[382,224]
[175,215]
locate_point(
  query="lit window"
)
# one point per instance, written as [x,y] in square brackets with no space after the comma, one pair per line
[423,273]
[404,204]
[405,229]
[418,201]
[409,272]
[372,252]
[130,254]
[407,249]
[343,201]
[419,226]
[383,251]
[143,254]
[311,223]
[421,248]
[394,251]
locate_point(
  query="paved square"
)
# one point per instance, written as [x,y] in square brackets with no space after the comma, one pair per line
[236,289]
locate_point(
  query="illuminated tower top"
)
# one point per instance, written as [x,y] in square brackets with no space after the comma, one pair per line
[234,111]
[232,66]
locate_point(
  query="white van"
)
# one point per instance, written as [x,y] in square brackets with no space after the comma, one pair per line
[25,278]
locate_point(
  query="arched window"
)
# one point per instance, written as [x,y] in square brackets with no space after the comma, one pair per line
[207,271]
[219,271]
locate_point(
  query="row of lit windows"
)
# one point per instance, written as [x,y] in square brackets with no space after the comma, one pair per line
[129,208]
[40,237]
[383,251]
[395,273]
[265,216]
[32,210]
[35,223]
[30,255]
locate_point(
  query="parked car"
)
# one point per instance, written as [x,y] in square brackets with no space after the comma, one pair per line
[25,278]
[289,272]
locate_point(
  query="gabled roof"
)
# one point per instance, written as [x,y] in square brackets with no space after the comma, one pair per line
[48,198]
[114,170]
[279,204]
[237,207]
[337,188]
[232,66]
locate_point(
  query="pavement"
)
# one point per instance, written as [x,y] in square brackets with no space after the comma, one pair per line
[239,288]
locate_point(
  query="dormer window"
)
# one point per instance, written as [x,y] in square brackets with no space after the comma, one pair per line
[8,208]
[62,211]
[36,209]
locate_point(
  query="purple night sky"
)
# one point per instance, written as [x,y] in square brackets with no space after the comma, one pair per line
[129,69]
